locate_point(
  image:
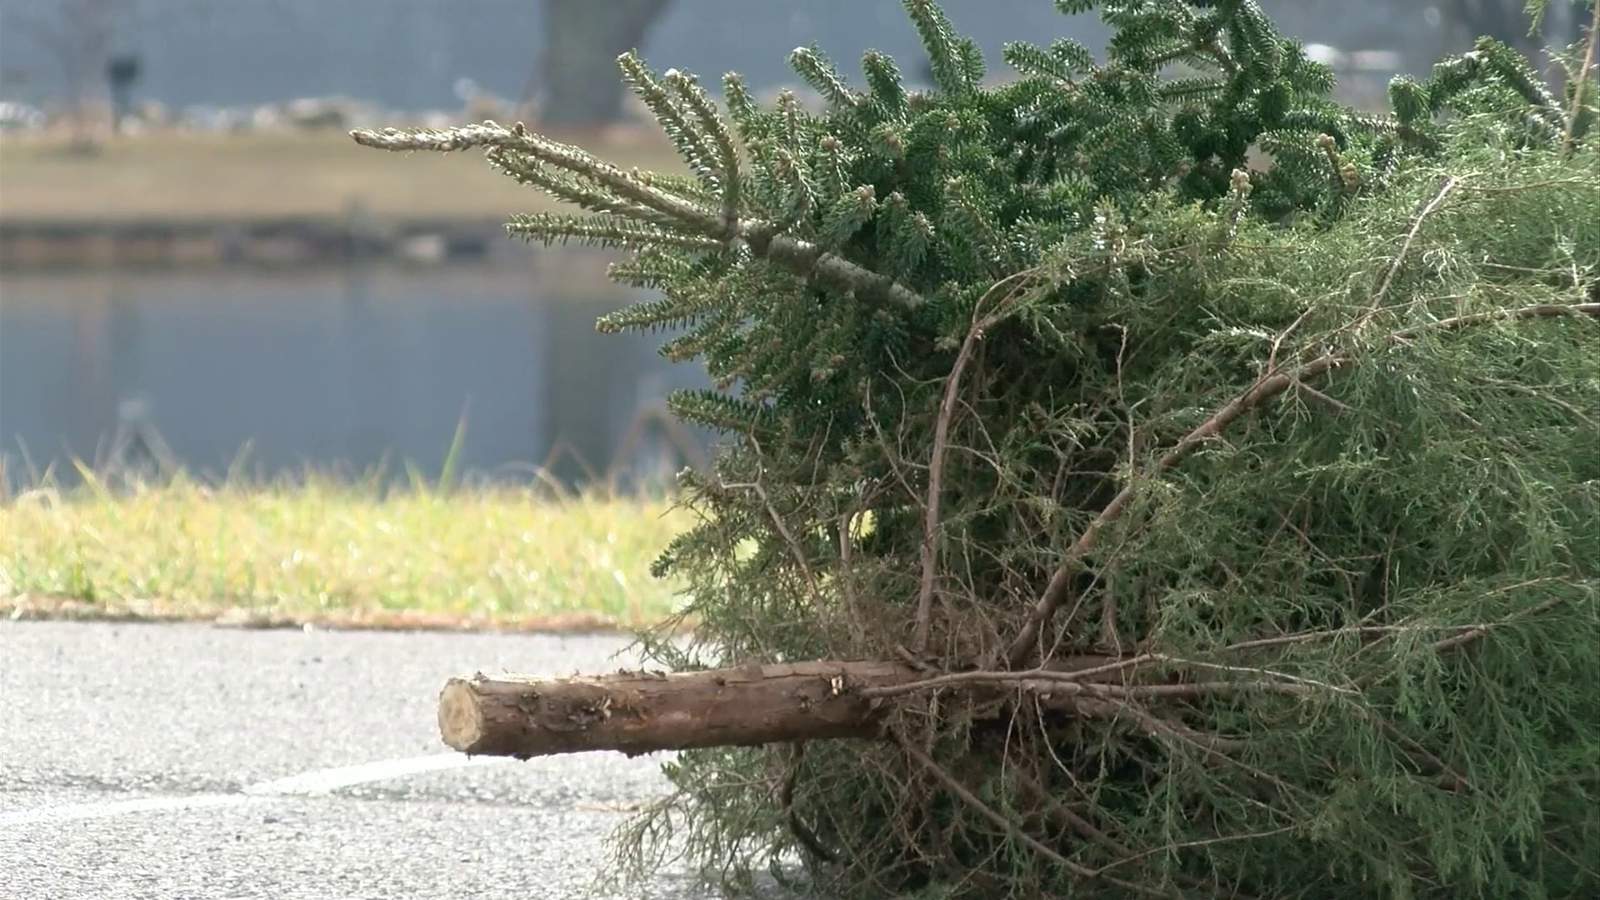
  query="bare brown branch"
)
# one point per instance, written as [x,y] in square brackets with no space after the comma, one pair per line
[981,323]
[1575,109]
[1382,293]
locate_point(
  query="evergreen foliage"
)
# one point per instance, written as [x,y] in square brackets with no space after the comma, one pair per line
[1284,416]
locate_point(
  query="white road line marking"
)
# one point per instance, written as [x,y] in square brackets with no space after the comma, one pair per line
[106,809]
[323,781]
[307,784]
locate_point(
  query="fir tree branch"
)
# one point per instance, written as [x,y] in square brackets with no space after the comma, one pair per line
[1450,779]
[525,169]
[801,198]
[847,216]
[1198,88]
[1517,74]
[1069,817]
[1113,700]
[1205,842]
[944,48]
[1052,683]
[1206,46]
[1540,311]
[883,79]
[830,269]
[799,256]
[562,156]
[1330,634]
[604,231]
[1473,633]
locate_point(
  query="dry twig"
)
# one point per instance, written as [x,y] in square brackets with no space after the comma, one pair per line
[1569,134]
[941,440]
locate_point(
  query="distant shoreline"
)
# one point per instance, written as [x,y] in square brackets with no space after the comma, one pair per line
[180,199]
[52,244]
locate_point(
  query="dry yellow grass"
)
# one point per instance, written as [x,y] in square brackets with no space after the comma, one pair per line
[186,176]
[332,552]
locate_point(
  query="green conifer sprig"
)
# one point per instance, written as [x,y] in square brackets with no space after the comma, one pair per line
[904,235]
[650,269]
[956,63]
[887,90]
[719,411]
[726,164]
[1065,60]
[747,116]
[1513,70]
[526,169]
[688,187]
[819,72]
[603,231]
[679,308]
[686,134]
[847,216]
[799,198]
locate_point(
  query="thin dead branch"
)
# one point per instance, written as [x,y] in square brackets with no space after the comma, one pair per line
[1575,108]
[966,796]
[1382,293]
[941,441]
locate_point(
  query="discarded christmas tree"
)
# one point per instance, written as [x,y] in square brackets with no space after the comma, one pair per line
[1150,477]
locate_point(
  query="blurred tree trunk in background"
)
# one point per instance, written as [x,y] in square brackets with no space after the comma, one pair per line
[1507,20]
[80,36]
[578,80]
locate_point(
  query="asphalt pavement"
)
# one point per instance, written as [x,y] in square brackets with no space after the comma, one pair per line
[179,761]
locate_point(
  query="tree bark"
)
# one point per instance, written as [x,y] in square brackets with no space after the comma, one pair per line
[578,71]
[641,712]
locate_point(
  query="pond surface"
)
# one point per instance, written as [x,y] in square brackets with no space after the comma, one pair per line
[343,368]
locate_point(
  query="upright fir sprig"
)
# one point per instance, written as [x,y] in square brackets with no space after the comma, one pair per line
[818,71]
[886,90]
[956,63]
[686,134]
[726,166]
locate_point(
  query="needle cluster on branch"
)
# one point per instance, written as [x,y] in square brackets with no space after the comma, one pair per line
[1144,474]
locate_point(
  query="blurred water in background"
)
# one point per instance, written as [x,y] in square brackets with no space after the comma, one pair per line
[335,367]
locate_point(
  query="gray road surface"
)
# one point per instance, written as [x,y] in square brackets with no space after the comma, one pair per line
[150,761]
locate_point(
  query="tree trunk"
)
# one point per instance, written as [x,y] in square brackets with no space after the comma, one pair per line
[578,72]
[640,712]
[1508,21]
